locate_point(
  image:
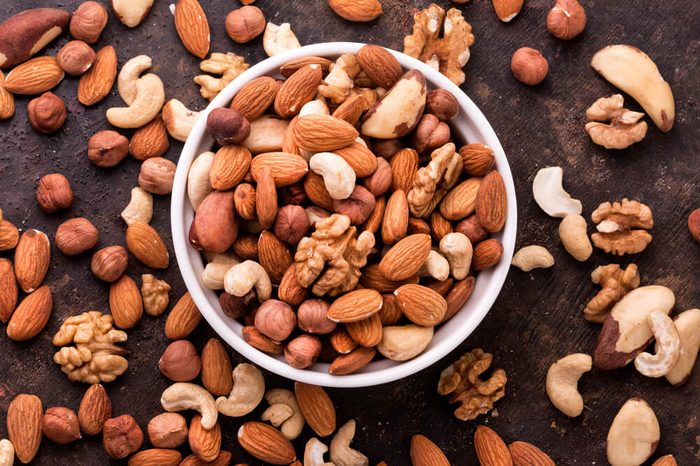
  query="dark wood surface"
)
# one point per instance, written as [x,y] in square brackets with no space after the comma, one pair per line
[537,318]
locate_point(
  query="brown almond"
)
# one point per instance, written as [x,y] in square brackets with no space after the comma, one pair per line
[526,454]
[266,443]
[380,181]
[32,258]
[273,255]
[352,362]
[183,318]
[24,421]
[34,76]
[491,450]
[125,302]
[666,460]
[422,305]
[439,226]
[404,166]
[230,166]
[374,221]
[319,133]
[266,198]
[224,459]
[295,64]
[285,168]
[395,222]
[366,332]
[9,235]
[257,340]
[506,10]
[356,10]
[477,159]
[441,288]
[216,368]
[244,202]
[360,158]
[192,26]
[487,254]
[145,243]
[458,296]
[206,444]
[298,89]
[7,100]
[317,408]
[95,409]
[355,305]
[97,82]
[341,341]
[379,65]
[425,453]
[156,457]
[31,316]
[315,189]
[460,202]
[406,257]
[390,313]
[351,110]
[290,291]
[491,203]
[255,97]
[8,290]
[373,278]
[150,140]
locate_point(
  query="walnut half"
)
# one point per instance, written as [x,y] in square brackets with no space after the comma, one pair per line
[622,227]
[624,128]
[616,283]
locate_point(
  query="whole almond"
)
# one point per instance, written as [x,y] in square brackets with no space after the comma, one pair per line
[9,235]
[150,140]
[458,296]
[193,27]
[380,181]
[266,198]
[7,100]
[460,202]
[526,454]
[215,222]
[76,236]
[366,332]
[95,409]
[315,189]
[422,305]
[319,133]
[491,203]
[439,226]
[31,316]
[273,255]
[390,313]
[97,82]
[257,340]
[34,76]
[183,318]
[24,421]
[395,222]
[290,291]
[425,453]
[506,10]
[477,159]
[266,443]
[244,201]
[666,460]
[379,65]
[204,443]
[317,408]
[490,448]
[374,221]
[125,302]
[487,254]
[230,166]
[351,110]
[352,362]
[373,278]
[60,425]
[224,459]
[180,361]
[355,305]
[356,10]
[216,368]
[155,457]
[341,341]
[285,168]
[360,158]
[295,64]
[145,243]
[8,290]
[246,247]
[255,97]
[298,89]
[32,258]
[406,257]
[441,288]
[404,166]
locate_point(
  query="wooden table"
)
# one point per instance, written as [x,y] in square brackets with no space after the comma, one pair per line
[537,318]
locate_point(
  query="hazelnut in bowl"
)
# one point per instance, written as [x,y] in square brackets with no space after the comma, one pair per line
[343,215]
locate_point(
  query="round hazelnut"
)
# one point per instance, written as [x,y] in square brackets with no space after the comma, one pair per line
[386,148]
[442,104]
[76,57]
[291,224]
[292,194]
[275,319]
[379,182]
[46,113]
[60,425]
[121,436]
[227,126]
[108,264]
[567,19]
[167,430]
[302,351]
[107,148]
[431,133]
[180,361]
[54,193]
[88,22]
[157,175]
[76,236]
[358,206]
[529,66]
[312,316]
[236,307]
[245,24]
[471,228]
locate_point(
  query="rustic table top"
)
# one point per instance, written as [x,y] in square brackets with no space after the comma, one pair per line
[537,318]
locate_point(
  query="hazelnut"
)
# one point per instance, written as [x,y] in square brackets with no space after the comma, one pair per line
[157,175]
[246,247]
[293,194]
[107,148]
[167,430]
[88,21]
[108,264]
[291,224]
[46,113]
[417,225]
[121,436]
[302,351]
[244,201]
[236,307]
[60,425]
[567,19]
[471,228]
[275,319]
[312,315]
[431,133]
[379,182]
[76,236]
[529,66]
[358,206]
[442,104]
[54,193]
[245,24]
[386,148]
[180,361]
[76,57]
[694,224]
[227,126]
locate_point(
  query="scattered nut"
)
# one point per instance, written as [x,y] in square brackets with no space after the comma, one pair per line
[167,430]
[155,294]
[566,20]
[149,99]
[574,237]
[131,12]
[529,66]
[76,57]
[76,236]
[180,361]
[129,76]
[109,263]
[182,395]
[60,425]
[624,129]
[107,148]
[668,347]
[178,119]
[341,453]
[46,113]
[121,436]
[157,175]
[688,325]
[549,194]
[245,24]
[694,224]
[54,193]
[88,22]
[633,435]
[532,257]
[140,207]
[227,65]
[562,378]
[615,283]
[95,409]
[617,225]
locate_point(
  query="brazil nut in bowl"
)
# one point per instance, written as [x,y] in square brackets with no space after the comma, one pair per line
[343,215]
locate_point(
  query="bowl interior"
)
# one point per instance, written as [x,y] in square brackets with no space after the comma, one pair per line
[470,126]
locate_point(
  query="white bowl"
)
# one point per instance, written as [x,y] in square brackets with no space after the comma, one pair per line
[470,125]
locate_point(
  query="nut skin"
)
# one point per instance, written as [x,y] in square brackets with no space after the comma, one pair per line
[471,228]
[236,307]
[180,361]
[275,319]
[245,24]
[293,194]
[566,20]
[431,133]
[386,148]
[46,113]
[60,425]
[121,436]
[227,126]
[529,66]
[54,193]
[76,236]
[442,104]
[302,351]
[108,264]
[157,175]
[291,224]
[76,57]
[312,317]
[88,22]
[107,148]
[358,206]
[694,224]
[167,430]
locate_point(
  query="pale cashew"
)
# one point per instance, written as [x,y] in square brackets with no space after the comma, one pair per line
[7,453]
[178,119]
[140,207]
[532,257]
[341,453]
[668,347]
[550,195]
[198,184]
[688,325]
[435,266]
[277,413]
[278,39]
[266,134]
[150,95]
[181,396]
[562,380]
[458,250]
[215,271]
[313,453]
[574,237]
[246,394]
[338,176]
[291,428]
[129,75]
[314,107]
[404,342]
[241,278]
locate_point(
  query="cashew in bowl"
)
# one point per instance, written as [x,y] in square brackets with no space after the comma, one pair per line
[178,119]
[338,177]
[181,396]
[562,378]
[532,257]
[550,195]
[243,277]
[291,427]
[215,271]
[313,453]
[573,235]
[435,266]
[341,453]
[246,394]
[404,342]
[278,39]
[150,95]
[458,250]
[198,183]
[688,325]
[668,347]
[129,75]
[140,208]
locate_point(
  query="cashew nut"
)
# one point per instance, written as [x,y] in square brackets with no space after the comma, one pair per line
[291,428]
[198,184]
[241,278]
[435,266]
[181,396]
[688,325]
[574,237]
[313,453]
[562,380]
[150,95]
[215,271]
[266,134]
[277,413]
[129,75]
[458,250]
[178,119]
[278,39]
[314,107]
[341,453]
[668,347]
[550,195]
[246,394]
[140,207]
[338,176]
[404,342]
[532,257]
[7,453]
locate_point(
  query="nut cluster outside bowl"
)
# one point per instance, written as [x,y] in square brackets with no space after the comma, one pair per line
[469,125]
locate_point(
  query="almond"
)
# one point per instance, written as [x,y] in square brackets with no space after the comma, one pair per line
[273,255]
[441,288]
[366,332]
[95,409]
[374,221]
[24,421]
[422,305]
[285,168]
[266,198]
[406,257]
[319,133]
[9,235]
[460,202]
[439,226]
[183,318]
[666,460]
[373,278]
[215,222]
[156,457]
[298,89]
[352,362]
[487,254]
[8,290]
[125,302]
[266,443]
[491,203]
[355,305]
[490,448]
[98,81]
[379,65]
[290,291]
[7,100]
[426,453]
[315,189]
[224,459]
[192,27]
[230,166]
[351,110]
[32,258]
[257,340]
[145,243]
[150,140]
[341,341]
[390,313]
[458,296]
[477,159]
[255,97]
[206,444]
[244,202]
[216,368]
[395,222]
[295,64]
[317,408]
[404,166]
[506,10]
[359,157]
[356,10]
[35,76]
[526,454]
[31,315]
